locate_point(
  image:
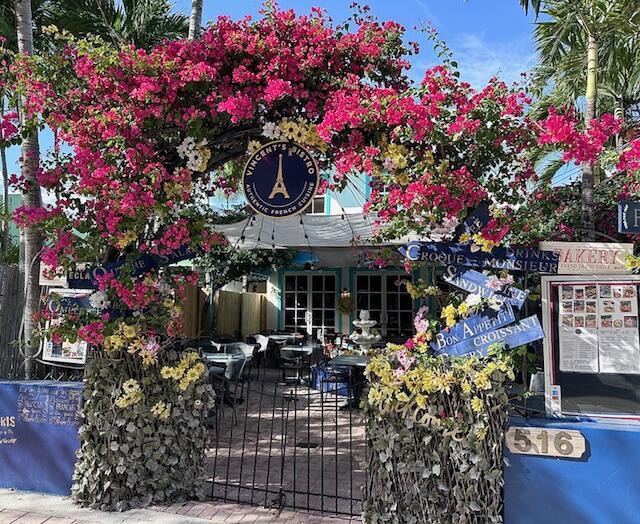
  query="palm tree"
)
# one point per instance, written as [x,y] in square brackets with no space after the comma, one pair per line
[144,23]
[195,21]
[32,198]
[578,33]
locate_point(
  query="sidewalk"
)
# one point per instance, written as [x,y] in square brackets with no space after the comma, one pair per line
[17,507]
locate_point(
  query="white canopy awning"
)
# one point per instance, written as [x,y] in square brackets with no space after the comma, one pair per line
[334,231]
[336,240]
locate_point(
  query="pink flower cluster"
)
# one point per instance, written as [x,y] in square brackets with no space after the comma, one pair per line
[561,129]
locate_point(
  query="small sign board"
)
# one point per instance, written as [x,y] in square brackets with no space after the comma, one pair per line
[471,327]
[478,283]
[510,259]
[512,336]
[629,218]
[280,179]
[579,258]
[546,442]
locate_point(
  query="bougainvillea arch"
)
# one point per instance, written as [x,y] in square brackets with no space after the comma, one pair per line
[151,135]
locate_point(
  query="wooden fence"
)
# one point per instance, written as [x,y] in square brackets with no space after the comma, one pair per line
[11,308]
[243,312]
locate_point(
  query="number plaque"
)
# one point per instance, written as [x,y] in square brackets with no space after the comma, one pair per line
[563,443]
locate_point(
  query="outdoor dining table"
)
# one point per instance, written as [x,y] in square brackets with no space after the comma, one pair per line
[305,350]
[282,338]
[358,363]
[222,359]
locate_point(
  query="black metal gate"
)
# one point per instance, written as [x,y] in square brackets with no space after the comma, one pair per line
[288,445]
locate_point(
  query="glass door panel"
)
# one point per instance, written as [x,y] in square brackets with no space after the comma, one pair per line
[309,302]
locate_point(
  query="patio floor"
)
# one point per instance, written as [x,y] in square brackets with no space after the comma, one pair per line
[288,448]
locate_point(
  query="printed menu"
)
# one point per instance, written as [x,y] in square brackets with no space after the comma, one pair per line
[599,328]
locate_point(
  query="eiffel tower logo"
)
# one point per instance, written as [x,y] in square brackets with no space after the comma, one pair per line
[279,188]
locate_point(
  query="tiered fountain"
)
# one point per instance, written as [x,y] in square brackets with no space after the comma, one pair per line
[369,335]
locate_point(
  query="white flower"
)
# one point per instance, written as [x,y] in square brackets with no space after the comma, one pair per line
[98,300]
[473,300]
[495,303]
[271,130]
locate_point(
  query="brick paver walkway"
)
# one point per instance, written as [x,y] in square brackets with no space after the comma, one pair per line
[217,511]
[187,513]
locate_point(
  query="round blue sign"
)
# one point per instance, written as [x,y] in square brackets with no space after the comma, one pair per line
[280,179]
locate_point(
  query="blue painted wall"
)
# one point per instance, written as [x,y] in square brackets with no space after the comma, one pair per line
[602,487]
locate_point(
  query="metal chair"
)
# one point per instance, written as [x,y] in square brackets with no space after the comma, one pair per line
[291,360]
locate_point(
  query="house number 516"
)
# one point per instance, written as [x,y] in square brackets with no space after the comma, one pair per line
[566,443]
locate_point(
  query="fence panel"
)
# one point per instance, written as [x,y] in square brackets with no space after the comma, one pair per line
[288,445]
[11,308]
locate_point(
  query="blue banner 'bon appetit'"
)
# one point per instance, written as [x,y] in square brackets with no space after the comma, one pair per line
[512,336]
[475,282]
[473,326]
[511,259]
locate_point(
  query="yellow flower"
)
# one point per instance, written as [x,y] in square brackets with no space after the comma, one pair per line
[135,345]
[476,404]
[466,387]
[129,398]
[485,244]
[148,358]
[193,374]
[374,395]
[166,372]
[482,381]
[402,396]
[449,315]
[161,409]
[126,238]
[130,386]
[253,146]
[290,130]
[206,155]
[464,238]
[632,262]
[463,309]
[129,331]
[398,155]
[481,432]
[421,401]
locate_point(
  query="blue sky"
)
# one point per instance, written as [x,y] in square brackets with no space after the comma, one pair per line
[488,37]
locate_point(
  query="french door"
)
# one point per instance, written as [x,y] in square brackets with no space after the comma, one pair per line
[310,302]
[388,303]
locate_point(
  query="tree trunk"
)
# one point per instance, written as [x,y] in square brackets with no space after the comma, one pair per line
[588,219]
[32,198]
[195,20]
[618,112]
[5,189]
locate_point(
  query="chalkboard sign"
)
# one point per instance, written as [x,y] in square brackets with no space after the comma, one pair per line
[39,424]
[592,348]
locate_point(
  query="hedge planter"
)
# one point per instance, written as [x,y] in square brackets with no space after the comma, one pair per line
[434,432]
[143,436]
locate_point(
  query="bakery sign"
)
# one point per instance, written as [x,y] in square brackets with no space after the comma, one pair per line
[579,258]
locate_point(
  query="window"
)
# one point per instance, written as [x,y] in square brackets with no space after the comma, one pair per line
[316,207]
[310,302]
[388,303]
